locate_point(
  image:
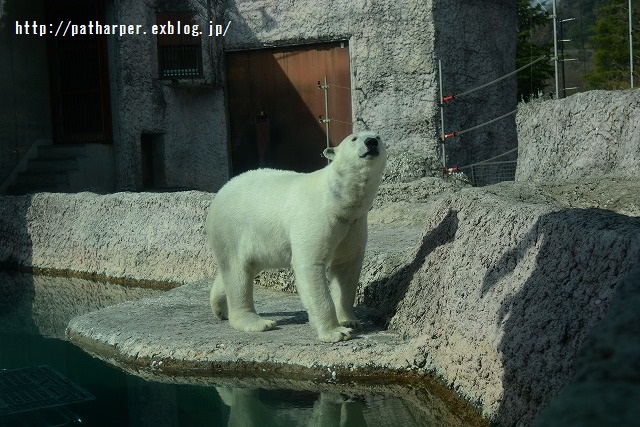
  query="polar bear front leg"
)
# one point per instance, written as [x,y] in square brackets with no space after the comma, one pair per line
[311,281]
[238,286]
[344,272]
[344,284]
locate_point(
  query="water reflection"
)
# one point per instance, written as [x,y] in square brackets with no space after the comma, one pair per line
[36,304]
[34,312]
[329,409]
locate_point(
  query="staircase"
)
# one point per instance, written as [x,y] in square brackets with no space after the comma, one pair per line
[66,169]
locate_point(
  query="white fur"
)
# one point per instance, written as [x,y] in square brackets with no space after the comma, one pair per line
[315,222]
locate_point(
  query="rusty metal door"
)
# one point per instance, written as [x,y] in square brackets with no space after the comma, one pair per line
[275,105]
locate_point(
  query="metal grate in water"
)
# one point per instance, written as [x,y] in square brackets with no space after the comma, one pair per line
[37,387]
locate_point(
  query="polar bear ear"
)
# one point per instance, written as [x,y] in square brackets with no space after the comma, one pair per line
[329,153]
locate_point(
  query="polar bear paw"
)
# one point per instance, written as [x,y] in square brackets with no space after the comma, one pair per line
[336,334]
[352,324]
[251,322]
[219,308]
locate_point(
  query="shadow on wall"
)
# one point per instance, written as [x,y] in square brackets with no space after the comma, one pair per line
[490,56]
[24,85]
[581,255]
[605,390]
[384,295]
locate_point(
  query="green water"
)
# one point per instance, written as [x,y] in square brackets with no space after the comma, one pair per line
[34,311]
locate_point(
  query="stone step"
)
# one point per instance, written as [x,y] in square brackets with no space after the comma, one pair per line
[58,151]
[49,170]
[52,165]
[42,178]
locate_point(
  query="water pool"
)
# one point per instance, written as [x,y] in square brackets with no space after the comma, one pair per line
[34,311]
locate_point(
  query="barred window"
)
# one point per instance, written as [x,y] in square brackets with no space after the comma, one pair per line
[179,45]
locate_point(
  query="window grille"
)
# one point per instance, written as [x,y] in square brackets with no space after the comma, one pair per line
[179,52]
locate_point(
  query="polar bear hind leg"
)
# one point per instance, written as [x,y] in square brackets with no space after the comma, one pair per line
[218,298]
[237,284]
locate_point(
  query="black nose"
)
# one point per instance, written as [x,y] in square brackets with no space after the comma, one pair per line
[371,142]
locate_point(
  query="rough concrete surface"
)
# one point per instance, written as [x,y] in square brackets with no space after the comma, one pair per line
[464,278]
[508,291]
[493,290]
[144,237]
[185,119]
[584,135]
[606,388]
[174,337]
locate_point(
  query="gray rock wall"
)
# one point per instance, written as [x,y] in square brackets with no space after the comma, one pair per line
[502,291]
[605,389]
[133,236]
[588,134]
[394,48]
[189,116]
[496,294]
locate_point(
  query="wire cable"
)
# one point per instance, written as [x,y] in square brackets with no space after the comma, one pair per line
[461,132]
[499,79]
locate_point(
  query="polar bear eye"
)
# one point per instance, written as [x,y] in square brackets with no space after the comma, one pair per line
[354,138]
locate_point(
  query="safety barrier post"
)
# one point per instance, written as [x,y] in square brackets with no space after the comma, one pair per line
[326,119]
[442,135]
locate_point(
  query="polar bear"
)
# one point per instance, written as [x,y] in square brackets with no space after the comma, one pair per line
[315,222]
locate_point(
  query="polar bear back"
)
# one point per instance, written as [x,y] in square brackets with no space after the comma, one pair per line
[252,215]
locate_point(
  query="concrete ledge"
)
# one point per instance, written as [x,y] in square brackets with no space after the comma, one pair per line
[144,237]
[503,290]
[495,293]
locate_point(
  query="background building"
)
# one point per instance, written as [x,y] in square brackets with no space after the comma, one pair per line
[176,111]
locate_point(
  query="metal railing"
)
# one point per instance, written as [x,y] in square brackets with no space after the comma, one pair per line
[489,171]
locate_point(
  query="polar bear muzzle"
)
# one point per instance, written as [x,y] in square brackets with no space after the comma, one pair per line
[372,147]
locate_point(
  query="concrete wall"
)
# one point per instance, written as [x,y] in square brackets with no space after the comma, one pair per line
[496,295]
[394,49]
[151,229]
[503,291]
[588,134]
[189,114]
[476,42]
[605,389]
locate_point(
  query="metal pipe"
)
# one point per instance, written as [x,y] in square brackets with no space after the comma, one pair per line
[326,110]
[631,43]
[564,81]
[499,79]
[444,158]
[555,50]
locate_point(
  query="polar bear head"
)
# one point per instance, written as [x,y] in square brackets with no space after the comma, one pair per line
[359,150]
[355,172]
